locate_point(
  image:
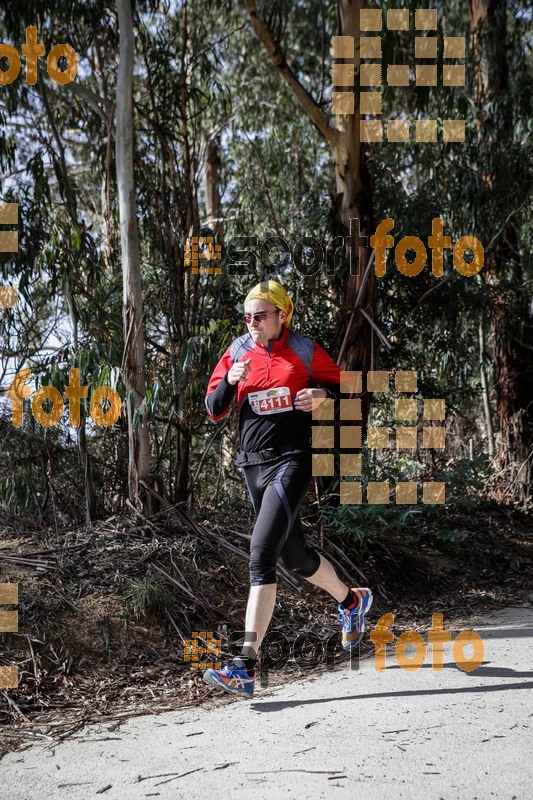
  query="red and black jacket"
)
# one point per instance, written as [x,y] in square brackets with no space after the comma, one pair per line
[278,365]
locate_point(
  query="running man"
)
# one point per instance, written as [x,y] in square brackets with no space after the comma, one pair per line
[276,374]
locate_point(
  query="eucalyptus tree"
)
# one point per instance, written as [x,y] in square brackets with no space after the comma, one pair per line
[56,252]
[134,354]
[352,195]
[480,187]
[503,85]
[70,156]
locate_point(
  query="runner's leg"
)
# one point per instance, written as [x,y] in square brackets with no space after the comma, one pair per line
[277,491]
[259,610]
[326,578]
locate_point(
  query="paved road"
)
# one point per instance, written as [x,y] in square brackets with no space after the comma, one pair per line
[421,735]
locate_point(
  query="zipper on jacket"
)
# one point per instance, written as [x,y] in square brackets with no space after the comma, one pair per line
[269,362]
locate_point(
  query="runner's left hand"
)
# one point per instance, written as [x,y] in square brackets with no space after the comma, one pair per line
[304,398]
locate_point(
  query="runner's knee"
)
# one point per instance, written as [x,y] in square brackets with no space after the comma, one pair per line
[304,564]
[262,569]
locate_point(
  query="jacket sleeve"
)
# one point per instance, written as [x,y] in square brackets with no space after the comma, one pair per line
[325,372]
[219,392]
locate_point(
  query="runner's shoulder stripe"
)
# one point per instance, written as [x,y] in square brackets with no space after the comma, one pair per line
[301,345]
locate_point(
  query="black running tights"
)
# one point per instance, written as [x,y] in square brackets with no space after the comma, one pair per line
[277,489]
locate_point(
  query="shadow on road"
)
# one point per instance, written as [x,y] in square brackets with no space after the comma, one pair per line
[268,707]
[484,671]
[504,633]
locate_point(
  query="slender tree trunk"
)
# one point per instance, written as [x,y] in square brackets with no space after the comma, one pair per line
[352,195]
[511,326]
[354,202]
[107,227]
[134,356]
[188,311]
[228,448]
[485,391]
[85,459]
[213,200]
[72,208]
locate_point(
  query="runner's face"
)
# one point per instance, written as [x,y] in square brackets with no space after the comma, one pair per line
[269,328]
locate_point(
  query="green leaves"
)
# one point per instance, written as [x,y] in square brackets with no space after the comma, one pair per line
[149,405]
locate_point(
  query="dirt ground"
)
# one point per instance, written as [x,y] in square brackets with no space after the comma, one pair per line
[105,611]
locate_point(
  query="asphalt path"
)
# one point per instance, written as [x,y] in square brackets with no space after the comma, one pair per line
[418,735]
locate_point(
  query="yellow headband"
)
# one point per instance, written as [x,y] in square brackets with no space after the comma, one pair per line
[274,293]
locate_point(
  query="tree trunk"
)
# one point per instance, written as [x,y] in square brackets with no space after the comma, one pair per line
[213,200]
[133,361]
[354,202]
[183,447]
[107,225]
[85,459]
[352,196]
[72,209]
[485,391]
[510,317]
[187,311]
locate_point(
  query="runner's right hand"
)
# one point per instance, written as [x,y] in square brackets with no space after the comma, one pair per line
[239,372]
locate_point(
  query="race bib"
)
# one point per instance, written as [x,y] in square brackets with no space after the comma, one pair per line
[271,401]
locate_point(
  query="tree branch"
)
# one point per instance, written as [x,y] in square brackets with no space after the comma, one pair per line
[280,62]
[93,100]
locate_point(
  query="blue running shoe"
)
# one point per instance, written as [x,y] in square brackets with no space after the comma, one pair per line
[353,619]
[232,678]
